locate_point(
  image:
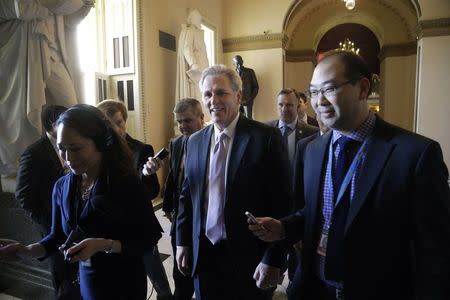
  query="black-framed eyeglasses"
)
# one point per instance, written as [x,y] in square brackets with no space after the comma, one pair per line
[327,91]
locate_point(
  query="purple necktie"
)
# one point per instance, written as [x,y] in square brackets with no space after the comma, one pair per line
[214,217]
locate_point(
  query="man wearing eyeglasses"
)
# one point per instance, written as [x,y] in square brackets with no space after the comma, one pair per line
[376,221]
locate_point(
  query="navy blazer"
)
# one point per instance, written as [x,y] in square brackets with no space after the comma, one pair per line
[397,235]
[116,210]
[257,181]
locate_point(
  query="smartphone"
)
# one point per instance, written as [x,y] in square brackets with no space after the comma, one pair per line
[251,217]
[162,153]
[75,236]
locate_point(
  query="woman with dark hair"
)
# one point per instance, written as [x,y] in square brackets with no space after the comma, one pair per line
[100,217]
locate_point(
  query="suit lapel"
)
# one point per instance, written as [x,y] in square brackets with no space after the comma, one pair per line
[240,142]
[299,131]
[203,158]
[378,152]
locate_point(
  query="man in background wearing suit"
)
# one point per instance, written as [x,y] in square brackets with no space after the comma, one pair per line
[250,86]
[39,168]
[189,116]
[292,129]
[146,166]
[232,166]
[302,115]
[376,221]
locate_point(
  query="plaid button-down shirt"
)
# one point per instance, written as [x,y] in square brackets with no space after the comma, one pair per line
[328,192]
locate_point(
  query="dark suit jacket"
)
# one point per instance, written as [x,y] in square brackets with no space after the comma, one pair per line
[297,183]
[250,86]
[141,153]
[39,168]
[397,236]
[173,187]
[116,210]
[256,182]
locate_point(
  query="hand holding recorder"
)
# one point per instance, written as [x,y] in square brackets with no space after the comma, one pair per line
[154,163]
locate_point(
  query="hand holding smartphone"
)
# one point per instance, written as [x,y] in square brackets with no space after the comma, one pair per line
[251,218]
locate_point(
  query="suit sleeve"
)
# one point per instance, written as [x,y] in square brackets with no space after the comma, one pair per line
[184,217]
[151,182]
[169,185]
[28,185]
[431,236]
[56,237]
[279,194]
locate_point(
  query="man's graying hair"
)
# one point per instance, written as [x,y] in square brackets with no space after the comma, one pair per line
[186,104]
[222,70]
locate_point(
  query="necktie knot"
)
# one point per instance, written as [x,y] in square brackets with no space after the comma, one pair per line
[220,141]
[343,142]
[221,137]
[286,130]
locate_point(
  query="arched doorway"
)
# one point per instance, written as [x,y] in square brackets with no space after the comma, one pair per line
[392,24]
[368,47]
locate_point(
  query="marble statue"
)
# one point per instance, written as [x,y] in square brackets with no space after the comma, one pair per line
[35,68]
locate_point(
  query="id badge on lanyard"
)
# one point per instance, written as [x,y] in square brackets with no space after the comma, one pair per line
[322,246]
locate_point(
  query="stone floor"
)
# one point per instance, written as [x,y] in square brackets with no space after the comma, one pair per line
[165,248]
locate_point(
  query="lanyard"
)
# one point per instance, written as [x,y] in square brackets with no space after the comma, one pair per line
[351,170]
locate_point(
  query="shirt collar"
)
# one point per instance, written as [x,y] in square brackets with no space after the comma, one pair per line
[291,125]
[229,131]
[360,133]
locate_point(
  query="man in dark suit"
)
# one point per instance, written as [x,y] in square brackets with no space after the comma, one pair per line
[39,168]
[250,86]
[292,129]
[189,117]
[302,115]
[383,231]
[146,166]
[232,166]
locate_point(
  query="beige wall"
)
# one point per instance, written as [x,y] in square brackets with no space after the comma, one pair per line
[268,66]
[397,90]
[297,75]
[433,107]
[253,17]
[434,9]
[159,64]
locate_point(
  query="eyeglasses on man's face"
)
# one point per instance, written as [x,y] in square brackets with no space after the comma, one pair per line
[327,91]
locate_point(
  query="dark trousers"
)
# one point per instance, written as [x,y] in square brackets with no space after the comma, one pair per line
[319,290]
[64,274]
[184,285]
[219,277]
[157,274]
